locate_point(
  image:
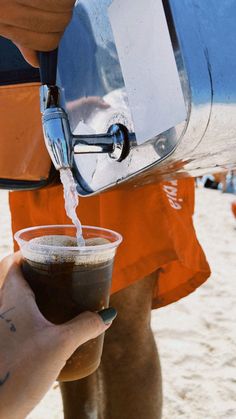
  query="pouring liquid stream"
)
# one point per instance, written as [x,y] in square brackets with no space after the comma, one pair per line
[71,202]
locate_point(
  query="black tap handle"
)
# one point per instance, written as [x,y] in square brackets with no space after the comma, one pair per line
[48,67]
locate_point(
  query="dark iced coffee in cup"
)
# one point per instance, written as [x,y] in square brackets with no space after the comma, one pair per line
[68,280]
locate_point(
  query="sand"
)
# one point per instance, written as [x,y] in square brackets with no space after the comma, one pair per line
[196,336]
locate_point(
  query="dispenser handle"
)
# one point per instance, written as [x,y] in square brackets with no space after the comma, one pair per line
[48,67]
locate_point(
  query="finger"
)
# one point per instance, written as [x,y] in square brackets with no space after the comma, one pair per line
[84,327]
[12,277]
[18,257]
[15,286]
[16,293]
[7,262]
[29,55]
[103,104]
[98,101]
[34,19]
[49,5]
[31,40]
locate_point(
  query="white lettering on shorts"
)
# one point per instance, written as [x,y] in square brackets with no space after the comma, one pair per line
[171,192]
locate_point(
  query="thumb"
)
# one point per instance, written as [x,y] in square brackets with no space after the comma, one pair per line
[86,326]
[29,55]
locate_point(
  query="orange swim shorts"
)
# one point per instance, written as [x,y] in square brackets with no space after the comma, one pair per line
[155,222]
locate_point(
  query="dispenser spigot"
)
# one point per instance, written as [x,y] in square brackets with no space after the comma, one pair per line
[56,128]
[60,142]
[62,145]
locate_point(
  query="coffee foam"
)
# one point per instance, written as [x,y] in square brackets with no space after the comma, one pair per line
[96,241]
[51,249]
[61,241]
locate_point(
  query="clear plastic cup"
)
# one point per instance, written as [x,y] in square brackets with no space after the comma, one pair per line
[68,279]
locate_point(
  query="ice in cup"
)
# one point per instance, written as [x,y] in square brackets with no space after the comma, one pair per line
[68,279]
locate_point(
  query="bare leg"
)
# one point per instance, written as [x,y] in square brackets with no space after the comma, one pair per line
[130,363]
[80,398]
[129,375]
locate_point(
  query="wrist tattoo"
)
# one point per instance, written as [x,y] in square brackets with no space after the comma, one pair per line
[4,379]
[3,317]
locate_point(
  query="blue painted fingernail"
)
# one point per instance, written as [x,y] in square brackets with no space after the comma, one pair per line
[107,315]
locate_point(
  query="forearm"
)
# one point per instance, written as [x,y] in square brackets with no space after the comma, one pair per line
[9,403]
[23,385]
[16,388]
[26,369]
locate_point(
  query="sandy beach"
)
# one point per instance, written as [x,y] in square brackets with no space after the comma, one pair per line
[196,336]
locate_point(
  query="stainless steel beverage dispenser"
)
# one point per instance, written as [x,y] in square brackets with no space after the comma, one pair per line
[147,92]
